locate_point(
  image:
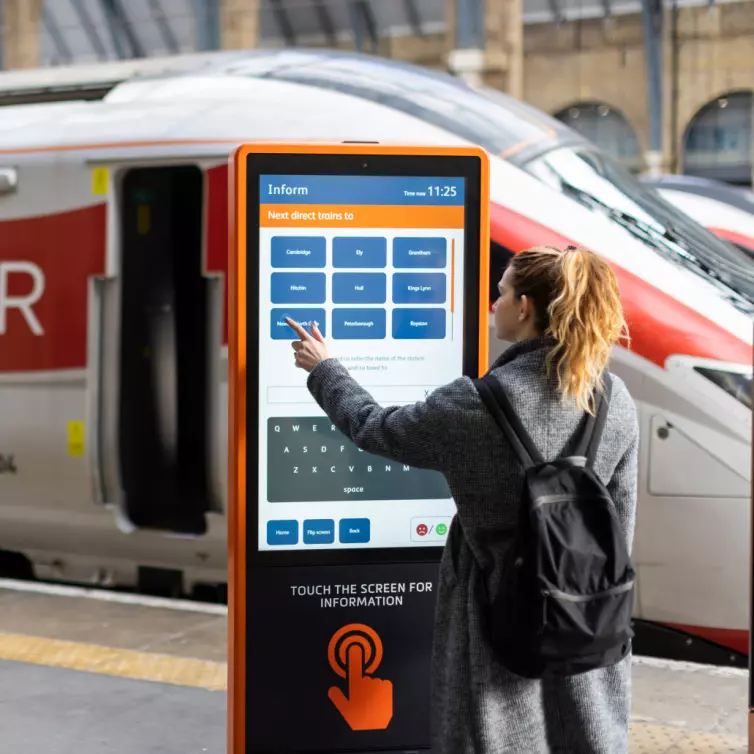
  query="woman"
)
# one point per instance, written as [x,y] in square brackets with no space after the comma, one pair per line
[562,313]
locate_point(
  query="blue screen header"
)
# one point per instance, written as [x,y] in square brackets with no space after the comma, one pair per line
[358,189]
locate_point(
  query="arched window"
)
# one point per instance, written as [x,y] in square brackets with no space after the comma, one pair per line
[718,140]
[607,127]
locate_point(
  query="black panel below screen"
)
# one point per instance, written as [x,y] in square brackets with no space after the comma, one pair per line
[288,671]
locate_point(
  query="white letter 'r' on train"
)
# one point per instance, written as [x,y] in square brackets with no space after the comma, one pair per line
[22,303]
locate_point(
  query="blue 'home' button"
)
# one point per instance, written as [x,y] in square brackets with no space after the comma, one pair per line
[282,532]
[354,530]
[319,531]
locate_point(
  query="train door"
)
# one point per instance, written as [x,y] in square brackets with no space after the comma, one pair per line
[163,361]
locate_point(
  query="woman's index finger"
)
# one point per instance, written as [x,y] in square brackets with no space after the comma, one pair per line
[296,327]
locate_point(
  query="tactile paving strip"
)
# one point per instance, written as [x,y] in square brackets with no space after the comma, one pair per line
[647,738]
[124,663]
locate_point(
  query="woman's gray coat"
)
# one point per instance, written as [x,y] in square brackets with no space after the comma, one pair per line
[479,707]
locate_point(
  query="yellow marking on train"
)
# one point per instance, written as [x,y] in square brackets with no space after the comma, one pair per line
[76,439]
[100,181]
[123,663]
[143,219]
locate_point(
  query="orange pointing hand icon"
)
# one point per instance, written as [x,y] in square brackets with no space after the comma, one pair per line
[369,705]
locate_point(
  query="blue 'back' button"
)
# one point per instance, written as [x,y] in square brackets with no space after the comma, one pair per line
[298,251]
[282,532]
[354,531]
[319,531]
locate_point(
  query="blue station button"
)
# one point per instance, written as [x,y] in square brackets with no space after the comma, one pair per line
[359,288]
[419,288]
[297,287]
[298,251]
[420,252]
[358,324]
[319,531]
[280,330]
[359,252]
[354,531]
[419,324]
[282,532]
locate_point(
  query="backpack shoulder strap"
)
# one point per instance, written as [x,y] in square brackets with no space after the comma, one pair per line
[596,424]
[498,404]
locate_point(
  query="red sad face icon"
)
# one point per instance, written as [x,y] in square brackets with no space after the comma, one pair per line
[421,530]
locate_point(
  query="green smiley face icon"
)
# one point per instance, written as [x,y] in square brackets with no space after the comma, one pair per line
[442,529]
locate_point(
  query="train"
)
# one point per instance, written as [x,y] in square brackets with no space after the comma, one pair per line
[113,313]
[725,210]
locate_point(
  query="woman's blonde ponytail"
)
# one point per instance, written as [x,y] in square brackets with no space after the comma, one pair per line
[575,294]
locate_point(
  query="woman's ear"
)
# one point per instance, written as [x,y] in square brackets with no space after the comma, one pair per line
[524,308]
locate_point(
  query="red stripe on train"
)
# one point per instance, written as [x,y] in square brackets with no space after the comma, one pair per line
[737,640]
[741,239]
[660,326]
[45,266]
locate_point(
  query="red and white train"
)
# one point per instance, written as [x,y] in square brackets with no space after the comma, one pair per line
[113,333]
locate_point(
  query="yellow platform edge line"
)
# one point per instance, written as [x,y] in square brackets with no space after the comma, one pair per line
[122,663]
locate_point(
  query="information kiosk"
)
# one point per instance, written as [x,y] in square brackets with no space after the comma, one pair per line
[334,552]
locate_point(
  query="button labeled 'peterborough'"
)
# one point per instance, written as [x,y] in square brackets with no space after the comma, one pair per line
[297,287]
[419,288]
[418,324]
[298,251]
[359,288]
[281,330]
[359,252]
[358,324]
[420,252]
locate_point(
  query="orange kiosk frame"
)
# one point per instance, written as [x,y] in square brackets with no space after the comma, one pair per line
[240,511]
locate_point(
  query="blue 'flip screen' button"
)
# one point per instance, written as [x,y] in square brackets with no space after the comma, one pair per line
[419,288]
[419,324]
[359,287]
[282,532]
[359,252]
[297,287]
[358,324]
[354,531]
[420,252]
[280,330]
[320,531]
[298,251]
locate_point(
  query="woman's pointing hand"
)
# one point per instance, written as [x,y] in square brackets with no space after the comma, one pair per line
[311,349]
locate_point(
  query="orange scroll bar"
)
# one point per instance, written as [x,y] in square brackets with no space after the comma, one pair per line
[452,274]
[361,216]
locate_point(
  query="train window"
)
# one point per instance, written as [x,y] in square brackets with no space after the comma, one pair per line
[500,256]
[162,424]
[599,183]
[737,384]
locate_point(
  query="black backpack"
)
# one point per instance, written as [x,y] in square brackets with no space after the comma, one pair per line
[565,598]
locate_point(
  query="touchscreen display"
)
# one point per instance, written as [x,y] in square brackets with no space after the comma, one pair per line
[377,263]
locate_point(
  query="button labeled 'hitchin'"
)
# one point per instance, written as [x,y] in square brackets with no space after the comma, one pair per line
[297,287]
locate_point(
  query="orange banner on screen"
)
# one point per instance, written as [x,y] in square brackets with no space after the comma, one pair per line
[362,216]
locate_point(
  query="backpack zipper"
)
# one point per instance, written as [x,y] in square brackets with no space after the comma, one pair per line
[557,594]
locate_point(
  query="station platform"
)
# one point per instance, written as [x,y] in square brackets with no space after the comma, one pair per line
[93,672]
